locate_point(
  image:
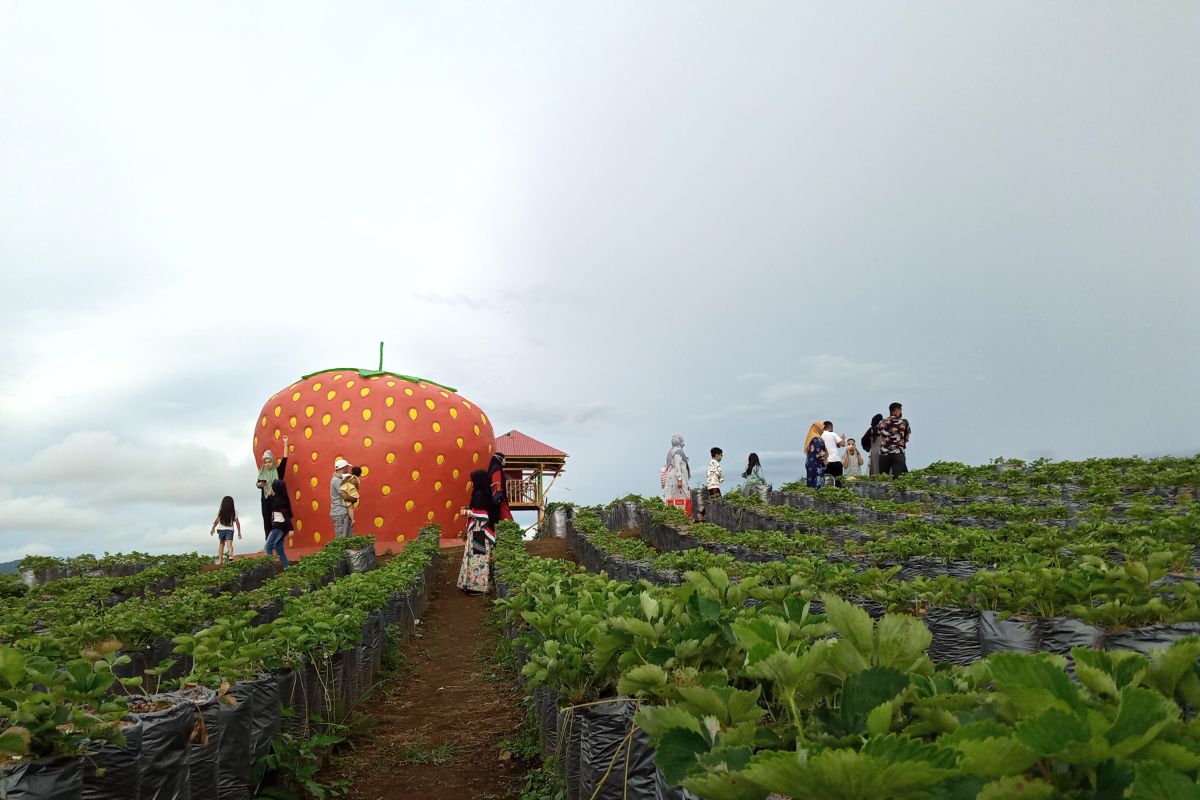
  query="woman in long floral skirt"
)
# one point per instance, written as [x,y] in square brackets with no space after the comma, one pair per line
[473,575]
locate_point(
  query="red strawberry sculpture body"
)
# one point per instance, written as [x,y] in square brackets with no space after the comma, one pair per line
[417,443]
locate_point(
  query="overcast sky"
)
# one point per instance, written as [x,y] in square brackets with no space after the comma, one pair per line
[605,223]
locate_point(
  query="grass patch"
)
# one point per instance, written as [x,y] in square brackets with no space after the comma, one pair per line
[419,755]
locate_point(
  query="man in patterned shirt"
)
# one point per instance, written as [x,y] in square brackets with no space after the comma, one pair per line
[894,431]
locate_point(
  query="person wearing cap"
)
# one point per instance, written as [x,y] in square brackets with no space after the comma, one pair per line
[337,507]
[270,472]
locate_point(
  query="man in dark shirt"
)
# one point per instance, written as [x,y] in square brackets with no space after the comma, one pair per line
[893,432]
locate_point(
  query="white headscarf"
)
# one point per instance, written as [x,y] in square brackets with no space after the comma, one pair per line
[677,447]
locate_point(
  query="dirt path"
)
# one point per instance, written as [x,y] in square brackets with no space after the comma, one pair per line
[444,727]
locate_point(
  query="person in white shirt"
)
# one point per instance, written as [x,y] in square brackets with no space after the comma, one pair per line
[715,478]
[833,461]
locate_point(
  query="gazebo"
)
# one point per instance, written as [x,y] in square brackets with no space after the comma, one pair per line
[527,462]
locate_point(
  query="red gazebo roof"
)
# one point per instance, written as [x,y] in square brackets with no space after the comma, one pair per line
[518,445]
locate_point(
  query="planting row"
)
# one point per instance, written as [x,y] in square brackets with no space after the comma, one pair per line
[736,689]
[36,570]
[1023,607]
[248,692]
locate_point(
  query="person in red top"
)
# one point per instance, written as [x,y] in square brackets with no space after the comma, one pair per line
[894,432]
[498,509]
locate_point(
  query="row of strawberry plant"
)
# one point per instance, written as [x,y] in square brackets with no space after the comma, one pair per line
[745,691]
[1026,606]
[1167,475]
[253,693]
[35,570]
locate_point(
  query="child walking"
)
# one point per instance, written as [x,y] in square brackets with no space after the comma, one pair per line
[714,479]
[223,526]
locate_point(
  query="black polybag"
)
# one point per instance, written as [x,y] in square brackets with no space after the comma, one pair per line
[204,750]
[615,761]
[1006,635]
[42,779]
[1059,634]
[566,751]
[165,737]
[263,693]
[286,687]
[234,756]
[1152,637]
[114,772]
[955,635]
[665,791]
[363,560]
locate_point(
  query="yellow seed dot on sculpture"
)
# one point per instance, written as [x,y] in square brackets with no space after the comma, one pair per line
[299,525]
[366,413]
[456,516]
[449,503]
[441,459]
[437,486]
[408,391]
[292,421]
[459,441]
[313,482]
[476,429]
[278,410]
[263,422]
[385,489]
[474,458]
[389,401]
[330,394]
[417,446]
[489,449]
[465,403]
[455,474]
[316,387]
[423,386]
[295,395]
[255,442]
[343,428]
[295,469]
[437,427]
[365,391]
[430,516]
[468,485]
[410,505]
[349,384]
[367,441]
[412,414]
[314,456]
[307,431]
[416,474]
[391,383]
[389,425]
[454,413]
[430,404]
[391,458]
[325,419]
[379,522]
[444,394]
[345,405]
[365,471]
[297,494]
[483,417]
[337,377]
[315,505]
[317,537]
[278,433]
[400,538]
[308,411]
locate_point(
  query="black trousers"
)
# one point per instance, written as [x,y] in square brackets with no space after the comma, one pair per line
[834,468]
[892,464]
[266,512]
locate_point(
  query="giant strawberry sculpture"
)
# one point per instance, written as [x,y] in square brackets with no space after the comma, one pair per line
[417,442]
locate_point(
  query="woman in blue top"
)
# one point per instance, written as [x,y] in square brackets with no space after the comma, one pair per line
[814,462]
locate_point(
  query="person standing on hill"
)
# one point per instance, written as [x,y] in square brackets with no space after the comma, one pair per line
[852,460]
[281,520]
[833,461]
[677,475]
[338,512]
[754,473]
[893,433]
[480,536]
[270,471]
[870,443]
[714,479]
[814,462]
[499,506]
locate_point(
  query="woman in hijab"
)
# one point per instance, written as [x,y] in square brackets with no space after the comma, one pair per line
[870,442]
[498,507]
[814,462]
[270,471]
[480,536]
[676,476]
[281,520]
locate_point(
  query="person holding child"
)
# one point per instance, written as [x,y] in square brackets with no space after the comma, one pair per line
[350,494]
[339,512]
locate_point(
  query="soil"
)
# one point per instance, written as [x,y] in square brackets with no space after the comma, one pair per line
[439,729]
[630,533]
